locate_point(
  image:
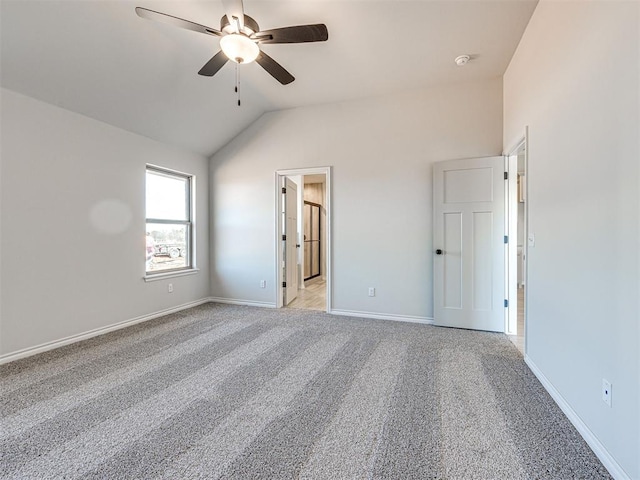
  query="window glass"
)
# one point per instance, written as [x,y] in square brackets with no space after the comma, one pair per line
[167,196]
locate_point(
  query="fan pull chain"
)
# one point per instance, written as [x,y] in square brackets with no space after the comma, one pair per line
[238,83]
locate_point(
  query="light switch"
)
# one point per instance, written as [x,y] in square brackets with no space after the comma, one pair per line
[532,240]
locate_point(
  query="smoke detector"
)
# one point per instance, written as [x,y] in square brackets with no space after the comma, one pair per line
[462,60]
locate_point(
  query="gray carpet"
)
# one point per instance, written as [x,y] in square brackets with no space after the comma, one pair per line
[232,392]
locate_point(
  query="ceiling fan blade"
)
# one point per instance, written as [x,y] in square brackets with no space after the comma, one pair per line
[274,69]
[296,34]
[175,21]
[213,65]
[234,10]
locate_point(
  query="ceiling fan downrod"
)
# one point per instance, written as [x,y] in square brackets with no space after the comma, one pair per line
[238,82]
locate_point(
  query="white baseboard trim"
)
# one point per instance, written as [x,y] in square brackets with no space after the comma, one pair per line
[346,313]
[30,351]
[598,448]
[384,316]
[236,301]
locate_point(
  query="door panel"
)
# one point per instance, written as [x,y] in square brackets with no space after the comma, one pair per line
[482,258]
[468,185]
[291,254]
[469,233]
[452,262]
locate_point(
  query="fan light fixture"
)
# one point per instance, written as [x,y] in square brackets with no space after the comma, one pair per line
[239,48]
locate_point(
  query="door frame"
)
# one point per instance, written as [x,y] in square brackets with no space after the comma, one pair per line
[278,276]
[512,229]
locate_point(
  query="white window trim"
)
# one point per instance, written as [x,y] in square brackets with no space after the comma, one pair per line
[192,268]
[165,275]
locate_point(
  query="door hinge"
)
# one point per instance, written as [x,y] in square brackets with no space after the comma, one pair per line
[506,303]
[284,238]
[284,190]
[506,239]
[284,284]
[506,175]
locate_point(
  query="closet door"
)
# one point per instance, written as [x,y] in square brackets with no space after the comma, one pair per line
[312,243]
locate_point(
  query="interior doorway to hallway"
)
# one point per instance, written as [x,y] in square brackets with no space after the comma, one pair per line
[303,250]
[517,285]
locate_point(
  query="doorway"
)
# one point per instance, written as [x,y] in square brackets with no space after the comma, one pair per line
[304,251]
[517,252]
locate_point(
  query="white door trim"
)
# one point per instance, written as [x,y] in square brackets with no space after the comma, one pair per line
[279,174]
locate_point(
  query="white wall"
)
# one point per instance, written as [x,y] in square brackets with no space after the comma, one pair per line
[575,81]
[73,225]
[382,150]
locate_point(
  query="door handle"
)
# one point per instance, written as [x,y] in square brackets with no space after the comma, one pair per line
[439,252]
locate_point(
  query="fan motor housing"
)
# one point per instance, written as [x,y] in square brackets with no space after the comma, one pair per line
[249,23]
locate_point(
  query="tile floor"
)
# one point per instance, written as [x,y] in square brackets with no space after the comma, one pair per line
[313,296]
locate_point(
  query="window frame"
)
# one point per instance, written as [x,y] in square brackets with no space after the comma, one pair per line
[189,223]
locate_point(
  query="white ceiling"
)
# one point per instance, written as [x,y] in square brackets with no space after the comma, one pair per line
[98,58]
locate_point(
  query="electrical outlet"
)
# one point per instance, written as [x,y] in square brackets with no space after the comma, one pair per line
[606,391]
[263,284]
[170,288]
[372,291]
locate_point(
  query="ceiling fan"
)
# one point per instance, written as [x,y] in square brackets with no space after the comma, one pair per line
[240,38]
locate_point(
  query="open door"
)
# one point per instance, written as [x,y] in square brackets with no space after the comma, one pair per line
[469,243]
[289,238]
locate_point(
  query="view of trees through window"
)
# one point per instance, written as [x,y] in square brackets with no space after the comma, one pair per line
[169,223]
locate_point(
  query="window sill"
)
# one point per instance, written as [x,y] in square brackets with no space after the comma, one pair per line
[163,276]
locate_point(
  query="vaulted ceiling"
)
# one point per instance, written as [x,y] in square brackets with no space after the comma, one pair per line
[98,58]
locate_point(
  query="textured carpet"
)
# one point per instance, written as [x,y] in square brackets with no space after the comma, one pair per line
[222,391]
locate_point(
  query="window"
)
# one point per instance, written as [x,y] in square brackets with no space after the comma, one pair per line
[169,244]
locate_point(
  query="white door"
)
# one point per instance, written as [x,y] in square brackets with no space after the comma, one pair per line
[291,235]
[469,249]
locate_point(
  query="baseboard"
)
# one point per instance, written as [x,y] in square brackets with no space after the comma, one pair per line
[598,448]
[346,313]
[28,352]
[236,301]
[384,316]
